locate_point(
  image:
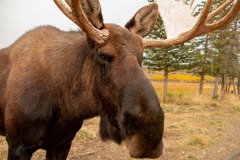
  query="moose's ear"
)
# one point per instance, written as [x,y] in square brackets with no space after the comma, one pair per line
[144,20]
[92,10]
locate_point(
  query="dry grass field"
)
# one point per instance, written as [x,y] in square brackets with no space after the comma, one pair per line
[196,128]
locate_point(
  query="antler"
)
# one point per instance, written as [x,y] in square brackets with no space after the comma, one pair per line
[73,10]
[181,26]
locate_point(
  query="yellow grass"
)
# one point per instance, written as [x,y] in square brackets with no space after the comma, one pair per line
[179,92]
[192,121]
[199,140]
[187,94]
[183,88]
[178,77]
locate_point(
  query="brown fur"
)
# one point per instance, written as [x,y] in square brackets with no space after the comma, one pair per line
[53,80]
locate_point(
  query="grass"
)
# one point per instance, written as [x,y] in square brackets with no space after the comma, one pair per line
[187,94]
[192,157]
[237,109]
[181,93]
[195,123]
[199,140]
[183,88]
[83,135]
[178,77]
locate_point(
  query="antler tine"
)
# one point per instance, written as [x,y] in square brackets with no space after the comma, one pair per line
[77,15]
[193,11]
[66,10]
[99,36]
[227,18]
[186,24]
[191,3]
[219,10]
[201,21]
[198,27]
[69,3]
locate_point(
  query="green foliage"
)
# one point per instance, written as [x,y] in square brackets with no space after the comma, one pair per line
[192,157]
[217,53]
[225,46]
[237,109]
[167,59]
[150,1]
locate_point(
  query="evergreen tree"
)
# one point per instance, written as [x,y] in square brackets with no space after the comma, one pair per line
[217,51]
[215,54]
[226,46]
[166,59]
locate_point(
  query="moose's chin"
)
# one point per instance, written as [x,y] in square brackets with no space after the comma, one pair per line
[137,149]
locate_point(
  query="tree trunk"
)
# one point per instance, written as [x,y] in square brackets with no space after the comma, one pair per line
[223,82]
[165,85]
[229,85]
[224,87]
[238,86]
[234,87]
[201,83]
[215,89]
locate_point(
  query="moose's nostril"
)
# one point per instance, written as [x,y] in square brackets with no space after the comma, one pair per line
[138,150]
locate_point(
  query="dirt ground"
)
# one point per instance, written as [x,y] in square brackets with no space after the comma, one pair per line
[201,132]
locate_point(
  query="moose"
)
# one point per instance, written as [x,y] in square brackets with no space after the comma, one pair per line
[52,80]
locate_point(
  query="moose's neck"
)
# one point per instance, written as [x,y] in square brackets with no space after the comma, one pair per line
[71,67]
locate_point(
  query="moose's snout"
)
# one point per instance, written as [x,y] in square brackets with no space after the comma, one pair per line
[138,150]
[144,115]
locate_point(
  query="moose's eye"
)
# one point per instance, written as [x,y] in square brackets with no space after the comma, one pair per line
[105,57]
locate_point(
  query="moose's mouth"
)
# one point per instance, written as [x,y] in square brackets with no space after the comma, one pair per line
[139,149]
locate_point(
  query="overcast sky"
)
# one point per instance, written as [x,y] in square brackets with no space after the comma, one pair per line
[18,16]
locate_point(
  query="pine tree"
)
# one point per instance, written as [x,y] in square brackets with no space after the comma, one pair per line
[226,46]
[166,59]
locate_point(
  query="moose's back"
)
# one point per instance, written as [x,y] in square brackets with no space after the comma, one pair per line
[33,66]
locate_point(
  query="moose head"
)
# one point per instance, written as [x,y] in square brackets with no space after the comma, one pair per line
[53,80]
[130,109]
